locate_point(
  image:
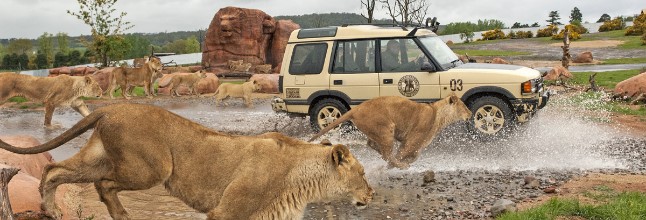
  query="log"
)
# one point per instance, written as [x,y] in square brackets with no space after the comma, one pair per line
[6,174]
[565,61]
[639,98]
[235,74]
[593,83]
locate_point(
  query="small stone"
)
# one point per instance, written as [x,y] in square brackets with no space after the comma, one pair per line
[429,176]
[501,206]
[551,189]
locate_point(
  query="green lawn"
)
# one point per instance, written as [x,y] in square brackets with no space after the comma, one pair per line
[604,79]
[491,52]
[630,42]
[625,60]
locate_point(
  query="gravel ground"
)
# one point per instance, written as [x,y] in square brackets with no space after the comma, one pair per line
[469,175]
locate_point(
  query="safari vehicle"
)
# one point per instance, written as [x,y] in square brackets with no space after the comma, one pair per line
[327,71]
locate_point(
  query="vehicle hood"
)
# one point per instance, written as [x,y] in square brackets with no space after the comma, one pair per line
[494,73]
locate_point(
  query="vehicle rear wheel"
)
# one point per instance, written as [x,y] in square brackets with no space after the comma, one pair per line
[491,115]
[325,112]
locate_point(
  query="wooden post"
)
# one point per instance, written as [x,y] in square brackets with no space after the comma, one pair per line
[6,174]
[593,83]
[565,61]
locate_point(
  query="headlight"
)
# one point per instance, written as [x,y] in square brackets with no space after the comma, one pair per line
[527,87]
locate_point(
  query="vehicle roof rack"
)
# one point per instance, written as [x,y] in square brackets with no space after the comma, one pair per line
[374,24]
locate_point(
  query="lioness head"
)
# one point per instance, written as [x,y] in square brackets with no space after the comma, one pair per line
[88,87]
[454,109]
[352,176]
[155,64]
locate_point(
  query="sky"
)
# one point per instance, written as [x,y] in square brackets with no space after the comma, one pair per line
[31,18]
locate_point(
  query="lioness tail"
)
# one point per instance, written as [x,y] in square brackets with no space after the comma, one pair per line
[79,128]
[345,117]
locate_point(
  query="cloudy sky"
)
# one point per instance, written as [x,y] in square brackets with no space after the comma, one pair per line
[31,18]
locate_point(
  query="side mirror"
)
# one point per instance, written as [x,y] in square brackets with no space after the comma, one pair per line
[426,66]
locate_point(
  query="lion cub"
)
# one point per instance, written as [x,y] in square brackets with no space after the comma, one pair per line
[243,91]
[387,119]
[189,81]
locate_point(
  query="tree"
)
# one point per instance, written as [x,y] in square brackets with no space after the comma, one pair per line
[41,61]
[139,46]
[406,12]
[370,9]
[60,59]
[576,15]
[23,61]
[535,24]
[74,58]
[19,46]
[604,18]
[554,18]
[63,42]
[466,36]
[46,47]
[106,29]
[2,51]
[192,45]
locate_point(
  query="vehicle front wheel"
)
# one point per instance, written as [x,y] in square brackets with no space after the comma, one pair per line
[491,115]
[325,112]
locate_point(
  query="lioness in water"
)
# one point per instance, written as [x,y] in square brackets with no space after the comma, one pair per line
[62,90]
[270,176]
[243,91]
[389,118]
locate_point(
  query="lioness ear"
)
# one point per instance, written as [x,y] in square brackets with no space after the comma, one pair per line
[88,80]
[326,142]
[339,153]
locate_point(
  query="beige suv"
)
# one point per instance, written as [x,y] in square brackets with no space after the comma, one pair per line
[327,71]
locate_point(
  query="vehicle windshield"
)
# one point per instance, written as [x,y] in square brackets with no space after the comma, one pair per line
[441,52]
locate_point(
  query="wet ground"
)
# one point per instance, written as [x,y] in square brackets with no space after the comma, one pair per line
[560,143]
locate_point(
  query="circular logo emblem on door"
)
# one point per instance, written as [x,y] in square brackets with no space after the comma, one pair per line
[408,86]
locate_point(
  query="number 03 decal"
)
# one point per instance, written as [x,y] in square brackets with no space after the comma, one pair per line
[456,84]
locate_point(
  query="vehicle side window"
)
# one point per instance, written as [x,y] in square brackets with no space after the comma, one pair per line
[401,55]
[354,57]
[308,59]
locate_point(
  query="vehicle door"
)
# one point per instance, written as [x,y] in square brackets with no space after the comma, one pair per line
[352,70]
[401,74]
[307,70]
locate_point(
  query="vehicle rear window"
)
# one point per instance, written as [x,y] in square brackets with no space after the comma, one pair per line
[308,59]
[357,56]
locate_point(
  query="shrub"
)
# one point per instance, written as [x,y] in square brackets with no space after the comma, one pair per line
[579,28]
[524,34]
[574,35]
[493,35]
[639,26]
[614,24]
[548,31]
[511,35]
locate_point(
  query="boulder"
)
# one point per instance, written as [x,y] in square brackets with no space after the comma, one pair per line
[585,57]
[102,77]
[65,70]
[632,86]
[208,84]
[499,60]
[449,42]
[31,164]
[245,34]
[501,206]
[82,71]
[558,73]
[268,82]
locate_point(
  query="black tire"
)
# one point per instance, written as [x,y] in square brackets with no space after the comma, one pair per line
[492,116]
[326,111]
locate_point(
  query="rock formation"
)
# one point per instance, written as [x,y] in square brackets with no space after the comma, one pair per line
[245,34]
[585,57]
[632,86]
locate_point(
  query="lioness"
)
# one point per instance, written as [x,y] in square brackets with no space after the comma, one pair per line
[189,81]
[389,118]
[233,63]
[269,176]
[144,76]
[243,91]
[62,90]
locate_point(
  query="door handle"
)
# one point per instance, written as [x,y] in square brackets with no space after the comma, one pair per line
[388,81]
[338,82]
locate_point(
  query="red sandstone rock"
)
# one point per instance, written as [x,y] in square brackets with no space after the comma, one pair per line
[31,164]
[245,34]
[632,86]
[558,71]
[206,85]
[65,70]
[268,82]
[102,77]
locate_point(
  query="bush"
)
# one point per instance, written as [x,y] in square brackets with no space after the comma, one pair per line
[644,39]
[579,28]
[548,31]
[639,26]
[614,24]
[493,35]
[520,34]
[574,35]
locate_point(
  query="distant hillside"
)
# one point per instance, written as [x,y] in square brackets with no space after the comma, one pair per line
[328,19]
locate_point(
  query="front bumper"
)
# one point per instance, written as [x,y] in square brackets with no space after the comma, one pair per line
[526,108]
[278,105]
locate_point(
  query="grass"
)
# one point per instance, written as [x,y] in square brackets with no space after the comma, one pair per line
[627,205]
[491,52]
[599,101]
[630,42]
[625,60]
[17,99]
[605,79]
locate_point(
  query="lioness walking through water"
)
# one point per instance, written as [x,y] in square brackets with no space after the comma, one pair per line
[387,119]
[270,176]
[56,91]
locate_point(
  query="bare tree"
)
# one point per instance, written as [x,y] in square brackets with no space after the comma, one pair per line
[370,9]
[406,12]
